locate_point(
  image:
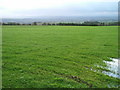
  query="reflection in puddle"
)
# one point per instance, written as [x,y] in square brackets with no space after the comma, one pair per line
[112,65]
[114,68]
[111,74]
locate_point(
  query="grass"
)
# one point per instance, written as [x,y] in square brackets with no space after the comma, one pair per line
[57,56]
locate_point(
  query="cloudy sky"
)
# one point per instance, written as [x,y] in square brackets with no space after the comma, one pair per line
[36,8]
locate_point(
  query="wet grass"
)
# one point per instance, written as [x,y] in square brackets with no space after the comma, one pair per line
[57,56]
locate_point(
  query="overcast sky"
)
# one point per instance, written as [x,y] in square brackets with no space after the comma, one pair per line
[36,8]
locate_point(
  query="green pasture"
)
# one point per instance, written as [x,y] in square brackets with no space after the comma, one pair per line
[58,56]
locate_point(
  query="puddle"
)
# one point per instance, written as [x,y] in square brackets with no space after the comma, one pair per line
[111,74]
[113,67]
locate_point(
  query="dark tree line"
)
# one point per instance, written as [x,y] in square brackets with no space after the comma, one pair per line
[87,23]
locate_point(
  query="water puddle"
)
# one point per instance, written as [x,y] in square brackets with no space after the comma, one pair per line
[113,67]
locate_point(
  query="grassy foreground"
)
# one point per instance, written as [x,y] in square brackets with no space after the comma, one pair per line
[58,56]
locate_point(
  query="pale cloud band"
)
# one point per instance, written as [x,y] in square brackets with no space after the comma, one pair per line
[21,8]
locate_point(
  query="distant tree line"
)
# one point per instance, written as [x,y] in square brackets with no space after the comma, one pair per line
[87,23]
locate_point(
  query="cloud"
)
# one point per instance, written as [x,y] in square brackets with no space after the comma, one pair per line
[31,8]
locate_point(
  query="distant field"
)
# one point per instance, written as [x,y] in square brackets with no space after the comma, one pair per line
[58,56]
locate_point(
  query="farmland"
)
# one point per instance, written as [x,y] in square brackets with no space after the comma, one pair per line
[58,56]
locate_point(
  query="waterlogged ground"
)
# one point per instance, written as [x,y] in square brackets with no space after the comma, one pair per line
[58,56]
[112,67]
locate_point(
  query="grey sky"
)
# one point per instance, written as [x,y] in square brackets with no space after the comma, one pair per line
[36,8]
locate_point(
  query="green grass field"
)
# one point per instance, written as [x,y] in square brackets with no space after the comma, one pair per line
[58,56]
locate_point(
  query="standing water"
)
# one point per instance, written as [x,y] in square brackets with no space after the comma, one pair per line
[114,68]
